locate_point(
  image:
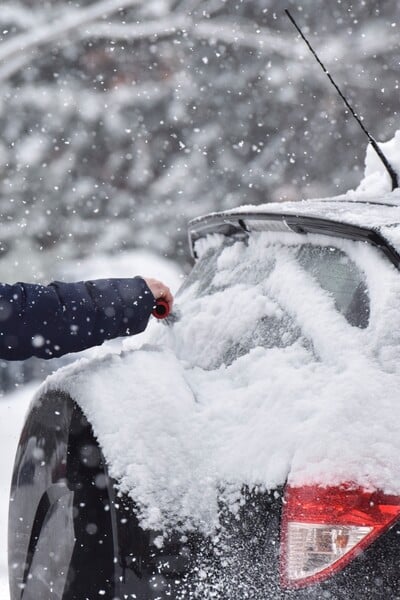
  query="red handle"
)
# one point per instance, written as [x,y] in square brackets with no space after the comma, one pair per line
[161,310]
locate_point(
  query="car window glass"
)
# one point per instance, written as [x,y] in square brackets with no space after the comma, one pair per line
[230,297]
[227,275]
[203,272]
[340,276]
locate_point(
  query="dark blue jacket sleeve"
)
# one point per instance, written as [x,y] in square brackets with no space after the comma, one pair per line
[49,321]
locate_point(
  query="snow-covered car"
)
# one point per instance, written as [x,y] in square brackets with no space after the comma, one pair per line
[251,448]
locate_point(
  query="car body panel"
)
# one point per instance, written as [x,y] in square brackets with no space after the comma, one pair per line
[201,429]
[167,397]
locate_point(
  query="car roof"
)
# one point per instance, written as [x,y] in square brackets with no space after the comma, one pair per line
[375,220]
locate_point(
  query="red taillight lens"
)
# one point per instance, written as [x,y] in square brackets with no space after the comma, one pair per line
[323,529]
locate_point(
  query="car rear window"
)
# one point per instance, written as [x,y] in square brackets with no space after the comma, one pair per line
[234,269]
[336,273]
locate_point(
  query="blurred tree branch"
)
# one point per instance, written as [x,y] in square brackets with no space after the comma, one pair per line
[117,130]
[19,50]
[239,32]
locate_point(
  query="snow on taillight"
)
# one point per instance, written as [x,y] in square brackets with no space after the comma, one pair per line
[323,529]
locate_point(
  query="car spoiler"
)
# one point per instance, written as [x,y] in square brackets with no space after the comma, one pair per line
[239,225]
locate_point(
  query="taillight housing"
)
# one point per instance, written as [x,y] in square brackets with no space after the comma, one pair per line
[324,528]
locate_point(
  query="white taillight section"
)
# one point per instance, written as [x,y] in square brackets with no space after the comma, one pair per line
[323,529]
[313,548]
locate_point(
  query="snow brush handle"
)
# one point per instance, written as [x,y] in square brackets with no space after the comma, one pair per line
[161,309]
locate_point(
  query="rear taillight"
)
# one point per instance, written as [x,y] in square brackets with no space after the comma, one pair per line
[323,529]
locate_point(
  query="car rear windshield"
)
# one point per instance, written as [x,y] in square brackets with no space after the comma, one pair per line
[232,268]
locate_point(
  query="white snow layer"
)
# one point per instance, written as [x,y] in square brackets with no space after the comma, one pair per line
[376,177]
[179,427]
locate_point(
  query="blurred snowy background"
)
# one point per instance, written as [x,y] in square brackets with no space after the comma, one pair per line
[122,119]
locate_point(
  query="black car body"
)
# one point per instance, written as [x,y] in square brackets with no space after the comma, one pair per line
[321,518]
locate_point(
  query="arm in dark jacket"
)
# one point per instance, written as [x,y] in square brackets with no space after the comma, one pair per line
[49,321]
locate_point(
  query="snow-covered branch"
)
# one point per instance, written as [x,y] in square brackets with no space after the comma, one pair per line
[166,27]
[240,32]
[55,30]
[235,32]
[245,34]
[364,44]
[19,16]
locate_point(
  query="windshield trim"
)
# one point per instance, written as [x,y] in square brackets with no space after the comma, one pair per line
[241,225]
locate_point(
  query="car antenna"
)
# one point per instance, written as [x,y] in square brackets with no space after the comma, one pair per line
[388,166]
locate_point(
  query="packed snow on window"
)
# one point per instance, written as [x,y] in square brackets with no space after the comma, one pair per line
[269,375]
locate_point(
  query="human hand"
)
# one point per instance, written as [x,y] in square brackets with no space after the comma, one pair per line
[159,290]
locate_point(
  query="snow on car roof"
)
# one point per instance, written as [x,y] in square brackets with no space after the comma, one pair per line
[380,214]
[371,212]
[373,204]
